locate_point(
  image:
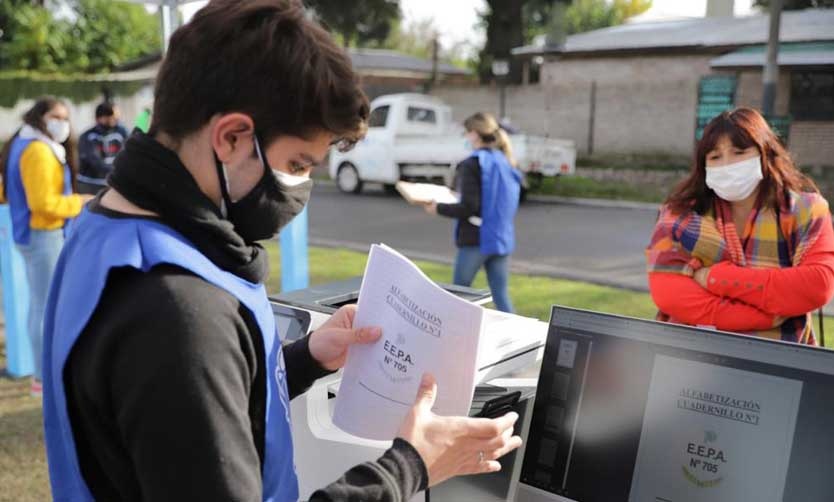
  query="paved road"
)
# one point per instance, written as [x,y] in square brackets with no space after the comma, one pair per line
[602,245]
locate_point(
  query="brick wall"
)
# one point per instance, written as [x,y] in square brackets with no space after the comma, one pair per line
[557,111]
[643,105]
[812,143]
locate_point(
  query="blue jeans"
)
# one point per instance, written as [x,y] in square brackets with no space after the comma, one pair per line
[40,257]
[467,263]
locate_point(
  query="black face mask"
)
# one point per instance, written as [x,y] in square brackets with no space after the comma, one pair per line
[268,207]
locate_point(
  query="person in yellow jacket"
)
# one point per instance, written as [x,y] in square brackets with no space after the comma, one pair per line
[38,186]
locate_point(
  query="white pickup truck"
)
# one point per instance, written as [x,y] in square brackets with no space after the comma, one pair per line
[412,137]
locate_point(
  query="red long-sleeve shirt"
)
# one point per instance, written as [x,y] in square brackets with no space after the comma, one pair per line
[743,299]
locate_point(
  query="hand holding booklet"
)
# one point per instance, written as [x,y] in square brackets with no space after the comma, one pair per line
[425,329]
[425,193]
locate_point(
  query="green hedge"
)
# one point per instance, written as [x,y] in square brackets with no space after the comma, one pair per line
[18,86]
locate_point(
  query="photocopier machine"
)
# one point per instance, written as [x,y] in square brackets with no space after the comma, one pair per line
[323,452]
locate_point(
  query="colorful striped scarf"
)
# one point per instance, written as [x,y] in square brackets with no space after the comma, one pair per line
[681,244]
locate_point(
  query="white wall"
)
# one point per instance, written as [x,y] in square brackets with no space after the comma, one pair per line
[82,115]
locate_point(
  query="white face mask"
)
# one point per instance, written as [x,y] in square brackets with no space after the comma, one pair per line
[289,180]
[58,129]
[735,182]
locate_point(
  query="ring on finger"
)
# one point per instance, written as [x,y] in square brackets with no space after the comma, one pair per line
[480,456]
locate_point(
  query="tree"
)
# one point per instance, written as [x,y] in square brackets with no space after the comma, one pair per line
[504,31]
[587,15]
[512,23]
[20,14]
[109,33]
[417,38]
[361,22]
[98,35]
[32,39]
[797,4]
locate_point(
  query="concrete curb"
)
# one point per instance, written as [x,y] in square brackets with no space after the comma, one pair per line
[605,203]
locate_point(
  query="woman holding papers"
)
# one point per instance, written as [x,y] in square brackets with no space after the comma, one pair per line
[745,242]
[489,188]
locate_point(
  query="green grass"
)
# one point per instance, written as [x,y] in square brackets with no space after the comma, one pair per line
[578,186]
[531,295]
[23,476]
[645,161]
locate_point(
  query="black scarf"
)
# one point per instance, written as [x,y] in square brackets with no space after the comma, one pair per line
[153,178]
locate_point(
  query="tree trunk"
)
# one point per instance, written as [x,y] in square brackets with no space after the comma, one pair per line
[505,31]
[347,37]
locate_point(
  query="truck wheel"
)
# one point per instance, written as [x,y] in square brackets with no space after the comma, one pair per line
[347,179]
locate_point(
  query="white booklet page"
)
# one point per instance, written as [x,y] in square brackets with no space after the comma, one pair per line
[425,329]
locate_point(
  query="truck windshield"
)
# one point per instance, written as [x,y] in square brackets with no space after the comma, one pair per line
[379,116]
[423,115]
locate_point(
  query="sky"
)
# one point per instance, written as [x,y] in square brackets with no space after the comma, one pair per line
[456,19]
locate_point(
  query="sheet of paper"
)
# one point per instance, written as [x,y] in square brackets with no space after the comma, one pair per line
[422,193]
[425,329]
[505,335]
[714,433]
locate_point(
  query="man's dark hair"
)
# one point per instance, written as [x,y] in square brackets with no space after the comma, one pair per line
[105,109]
[264,58]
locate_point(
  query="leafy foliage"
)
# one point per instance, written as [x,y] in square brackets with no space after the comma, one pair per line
[511,23]
[587,15]
[358,22]
[96,35]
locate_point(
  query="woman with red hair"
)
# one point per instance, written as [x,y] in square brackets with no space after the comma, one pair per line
[745,242]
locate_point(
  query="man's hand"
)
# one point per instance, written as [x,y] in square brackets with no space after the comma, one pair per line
[701,276]
[329,344]
[453,446]
[430,207]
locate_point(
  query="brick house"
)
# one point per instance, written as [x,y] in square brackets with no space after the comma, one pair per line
[382,71]
[646,87]
[389,72]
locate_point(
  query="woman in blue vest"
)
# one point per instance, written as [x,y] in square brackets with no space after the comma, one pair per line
[165,376]
[38,168]
[489,188]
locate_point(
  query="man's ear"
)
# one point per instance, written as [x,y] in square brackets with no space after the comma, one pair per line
[232,137]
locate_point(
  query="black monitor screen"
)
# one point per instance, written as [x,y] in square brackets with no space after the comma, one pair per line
[630,410]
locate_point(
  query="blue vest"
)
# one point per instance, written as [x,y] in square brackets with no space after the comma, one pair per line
[16,195]
[97,244]
[500,192]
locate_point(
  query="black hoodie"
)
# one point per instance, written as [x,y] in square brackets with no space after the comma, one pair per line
[165,386]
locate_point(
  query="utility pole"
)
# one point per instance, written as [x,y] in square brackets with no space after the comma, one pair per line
[771,69]
[435,62]
[169,19]
[500,69]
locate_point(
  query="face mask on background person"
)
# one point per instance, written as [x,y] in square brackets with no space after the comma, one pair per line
[58,129]
[737,181]
[270,205]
